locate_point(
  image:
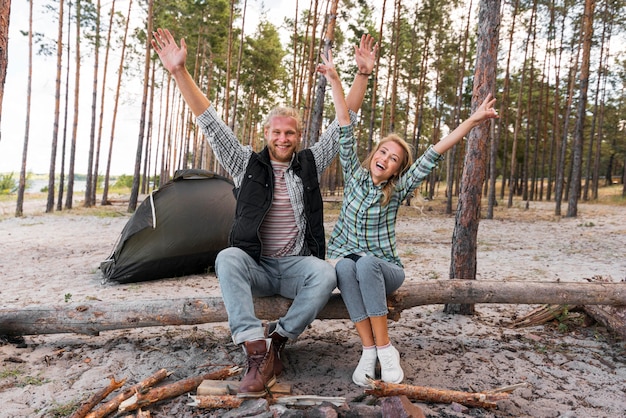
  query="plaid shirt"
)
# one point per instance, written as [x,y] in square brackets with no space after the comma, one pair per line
[234,157]
[364,225]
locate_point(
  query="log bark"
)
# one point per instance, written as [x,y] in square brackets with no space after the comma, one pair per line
[612,317]
[94,317]
[427,394]
[97,397]
[216,401]
[157,394]
[114,403]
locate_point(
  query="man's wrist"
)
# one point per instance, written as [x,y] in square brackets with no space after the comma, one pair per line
[359,72]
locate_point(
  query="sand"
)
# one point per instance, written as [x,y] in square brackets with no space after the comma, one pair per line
[570,368]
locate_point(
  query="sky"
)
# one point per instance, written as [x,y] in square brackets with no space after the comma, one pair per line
[13,123]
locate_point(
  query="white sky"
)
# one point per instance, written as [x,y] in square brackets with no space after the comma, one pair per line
[13,126]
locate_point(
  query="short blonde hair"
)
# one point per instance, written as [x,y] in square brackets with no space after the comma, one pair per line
[289,112]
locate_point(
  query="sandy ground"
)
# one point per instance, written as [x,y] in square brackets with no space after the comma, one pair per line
[571,368]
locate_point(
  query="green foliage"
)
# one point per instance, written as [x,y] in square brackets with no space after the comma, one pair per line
[8,184]
[123,181]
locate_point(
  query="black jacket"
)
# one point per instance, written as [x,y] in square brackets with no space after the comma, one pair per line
[254,198]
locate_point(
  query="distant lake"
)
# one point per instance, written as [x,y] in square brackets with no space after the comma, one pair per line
[35,186]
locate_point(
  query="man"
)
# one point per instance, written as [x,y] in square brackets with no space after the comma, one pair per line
[277,240]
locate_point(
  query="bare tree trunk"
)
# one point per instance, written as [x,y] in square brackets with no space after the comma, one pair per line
[69,198]
[574,194]
[239,58]
[318,107]
[5,17]
[132,204]
[19,207]
[65,111]
[373,106]
[57,104]
[516,130]
[103,94]
[89,197]
[464,240]
[96,316]
[560,177]
[120,72]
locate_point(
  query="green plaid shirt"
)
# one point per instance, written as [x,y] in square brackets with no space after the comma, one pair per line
[364,225]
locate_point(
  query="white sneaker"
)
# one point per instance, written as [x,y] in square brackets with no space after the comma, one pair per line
[366,367]
[390,369]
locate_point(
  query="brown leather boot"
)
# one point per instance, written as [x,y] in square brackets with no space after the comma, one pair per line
[278,345]
[260,372]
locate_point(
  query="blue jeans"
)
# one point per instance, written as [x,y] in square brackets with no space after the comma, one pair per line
[365,284]
[308,280]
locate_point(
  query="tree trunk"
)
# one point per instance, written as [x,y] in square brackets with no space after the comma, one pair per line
[5,17]
[103,94]
[465,233]
[574,189]
[89,196]
[69,198]
[134,193]
[120,72]
[65,110]
[57,104]
[93,317]
[19,207]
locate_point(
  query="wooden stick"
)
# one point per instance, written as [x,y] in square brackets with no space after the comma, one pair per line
[97,397]
[141,399]
[93,317]
[216,401]
[426,394]
[114,403]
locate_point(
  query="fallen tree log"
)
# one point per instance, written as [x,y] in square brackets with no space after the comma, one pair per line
[426,394]
[97,316]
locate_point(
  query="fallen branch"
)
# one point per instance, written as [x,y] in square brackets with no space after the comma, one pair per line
[216,401]
[540,316]
[93,317]
[142,399]
[114,403]
[97,397]
[426,394]
[309,400]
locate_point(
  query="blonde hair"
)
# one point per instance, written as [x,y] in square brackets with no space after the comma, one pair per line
[407,160]
[289,112]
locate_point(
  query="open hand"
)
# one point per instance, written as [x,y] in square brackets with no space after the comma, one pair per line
[172,56]
[365,54]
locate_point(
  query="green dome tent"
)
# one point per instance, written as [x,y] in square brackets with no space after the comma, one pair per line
[177,230]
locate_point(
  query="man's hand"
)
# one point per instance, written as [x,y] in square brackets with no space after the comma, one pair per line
[365,54]
[172,57]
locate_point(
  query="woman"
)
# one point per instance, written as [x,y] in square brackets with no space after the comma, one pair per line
[364,235]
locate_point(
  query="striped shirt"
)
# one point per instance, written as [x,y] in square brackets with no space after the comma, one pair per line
[234,157]
[279,232]
[364,225]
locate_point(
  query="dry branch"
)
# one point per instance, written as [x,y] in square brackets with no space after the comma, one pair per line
[97,397]
[216,401]
[142,399]
[94,317]
[426,394]
[114,403]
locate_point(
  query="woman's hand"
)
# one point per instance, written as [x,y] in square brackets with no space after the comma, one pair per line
[328,68]
[485,110]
